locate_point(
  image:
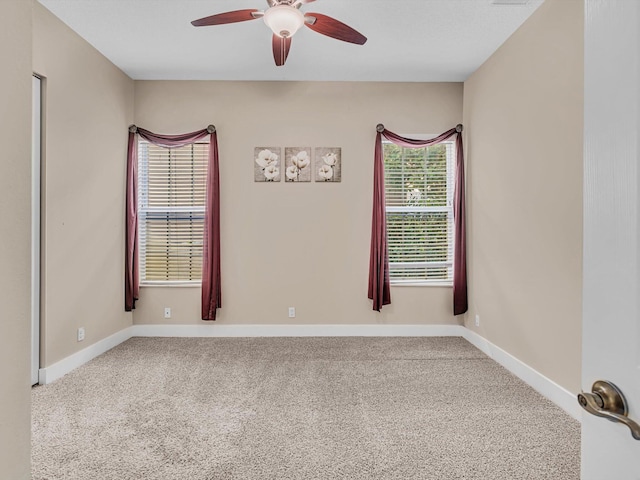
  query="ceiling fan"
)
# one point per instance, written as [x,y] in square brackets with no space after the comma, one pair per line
[285,19]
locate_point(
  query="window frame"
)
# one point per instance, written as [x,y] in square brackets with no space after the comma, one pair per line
[143,210]
[450,162]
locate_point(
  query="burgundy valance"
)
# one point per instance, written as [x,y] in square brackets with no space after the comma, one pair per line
[211,280]
[379,290]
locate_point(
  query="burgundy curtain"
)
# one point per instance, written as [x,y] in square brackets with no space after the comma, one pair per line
[379,260]
[211,281]
[211,288]
[131,279]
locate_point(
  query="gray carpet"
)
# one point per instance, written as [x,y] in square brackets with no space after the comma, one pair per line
[298,408]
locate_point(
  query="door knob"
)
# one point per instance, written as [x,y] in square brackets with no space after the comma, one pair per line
[607,401]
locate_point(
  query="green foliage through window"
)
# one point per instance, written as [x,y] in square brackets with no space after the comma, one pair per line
[419,199]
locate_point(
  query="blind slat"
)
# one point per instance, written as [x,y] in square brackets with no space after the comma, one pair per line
[419,200]
[172,195]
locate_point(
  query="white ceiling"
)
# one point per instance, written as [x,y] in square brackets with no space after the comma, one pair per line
[408,40]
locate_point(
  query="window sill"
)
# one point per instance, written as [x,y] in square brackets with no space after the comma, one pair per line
[171,284]
[419,284]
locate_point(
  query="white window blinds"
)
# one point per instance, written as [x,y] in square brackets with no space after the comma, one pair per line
[171,199]
[419,207]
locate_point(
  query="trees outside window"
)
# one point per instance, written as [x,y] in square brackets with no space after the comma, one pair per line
[419,210]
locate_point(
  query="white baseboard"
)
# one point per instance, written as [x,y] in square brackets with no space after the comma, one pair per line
[218,330]
[543,385]
[53,372]
[549,389]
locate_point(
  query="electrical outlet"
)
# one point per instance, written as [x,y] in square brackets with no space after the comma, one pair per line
[292,312]
[80,334]
[477,320]
[167,312]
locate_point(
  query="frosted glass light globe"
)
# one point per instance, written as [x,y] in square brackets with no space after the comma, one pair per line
[284,20]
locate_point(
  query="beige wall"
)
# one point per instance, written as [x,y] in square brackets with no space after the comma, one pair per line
[88,107]
[15,246]
[302,245]
[523,117]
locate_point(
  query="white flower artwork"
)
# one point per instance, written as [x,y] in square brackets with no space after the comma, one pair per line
[271,173]
[266,166]
[298,164]
[328,165]
[325,172]
[292,173]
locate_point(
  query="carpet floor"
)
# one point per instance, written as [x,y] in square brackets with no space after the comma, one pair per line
[298,408]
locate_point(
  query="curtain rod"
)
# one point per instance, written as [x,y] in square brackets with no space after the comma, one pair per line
[134,128]
[380,128]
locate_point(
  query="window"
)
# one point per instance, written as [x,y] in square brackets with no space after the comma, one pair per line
[419,209]
[171,200]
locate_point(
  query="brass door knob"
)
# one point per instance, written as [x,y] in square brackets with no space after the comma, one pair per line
[607,401]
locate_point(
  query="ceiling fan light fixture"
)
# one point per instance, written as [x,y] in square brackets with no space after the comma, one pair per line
[284,20]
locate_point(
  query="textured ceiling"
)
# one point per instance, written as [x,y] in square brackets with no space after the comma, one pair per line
[409,40]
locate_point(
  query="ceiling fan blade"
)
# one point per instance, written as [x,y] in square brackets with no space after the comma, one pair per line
[297,3]
[333,28]
[281,47]
[227,17]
